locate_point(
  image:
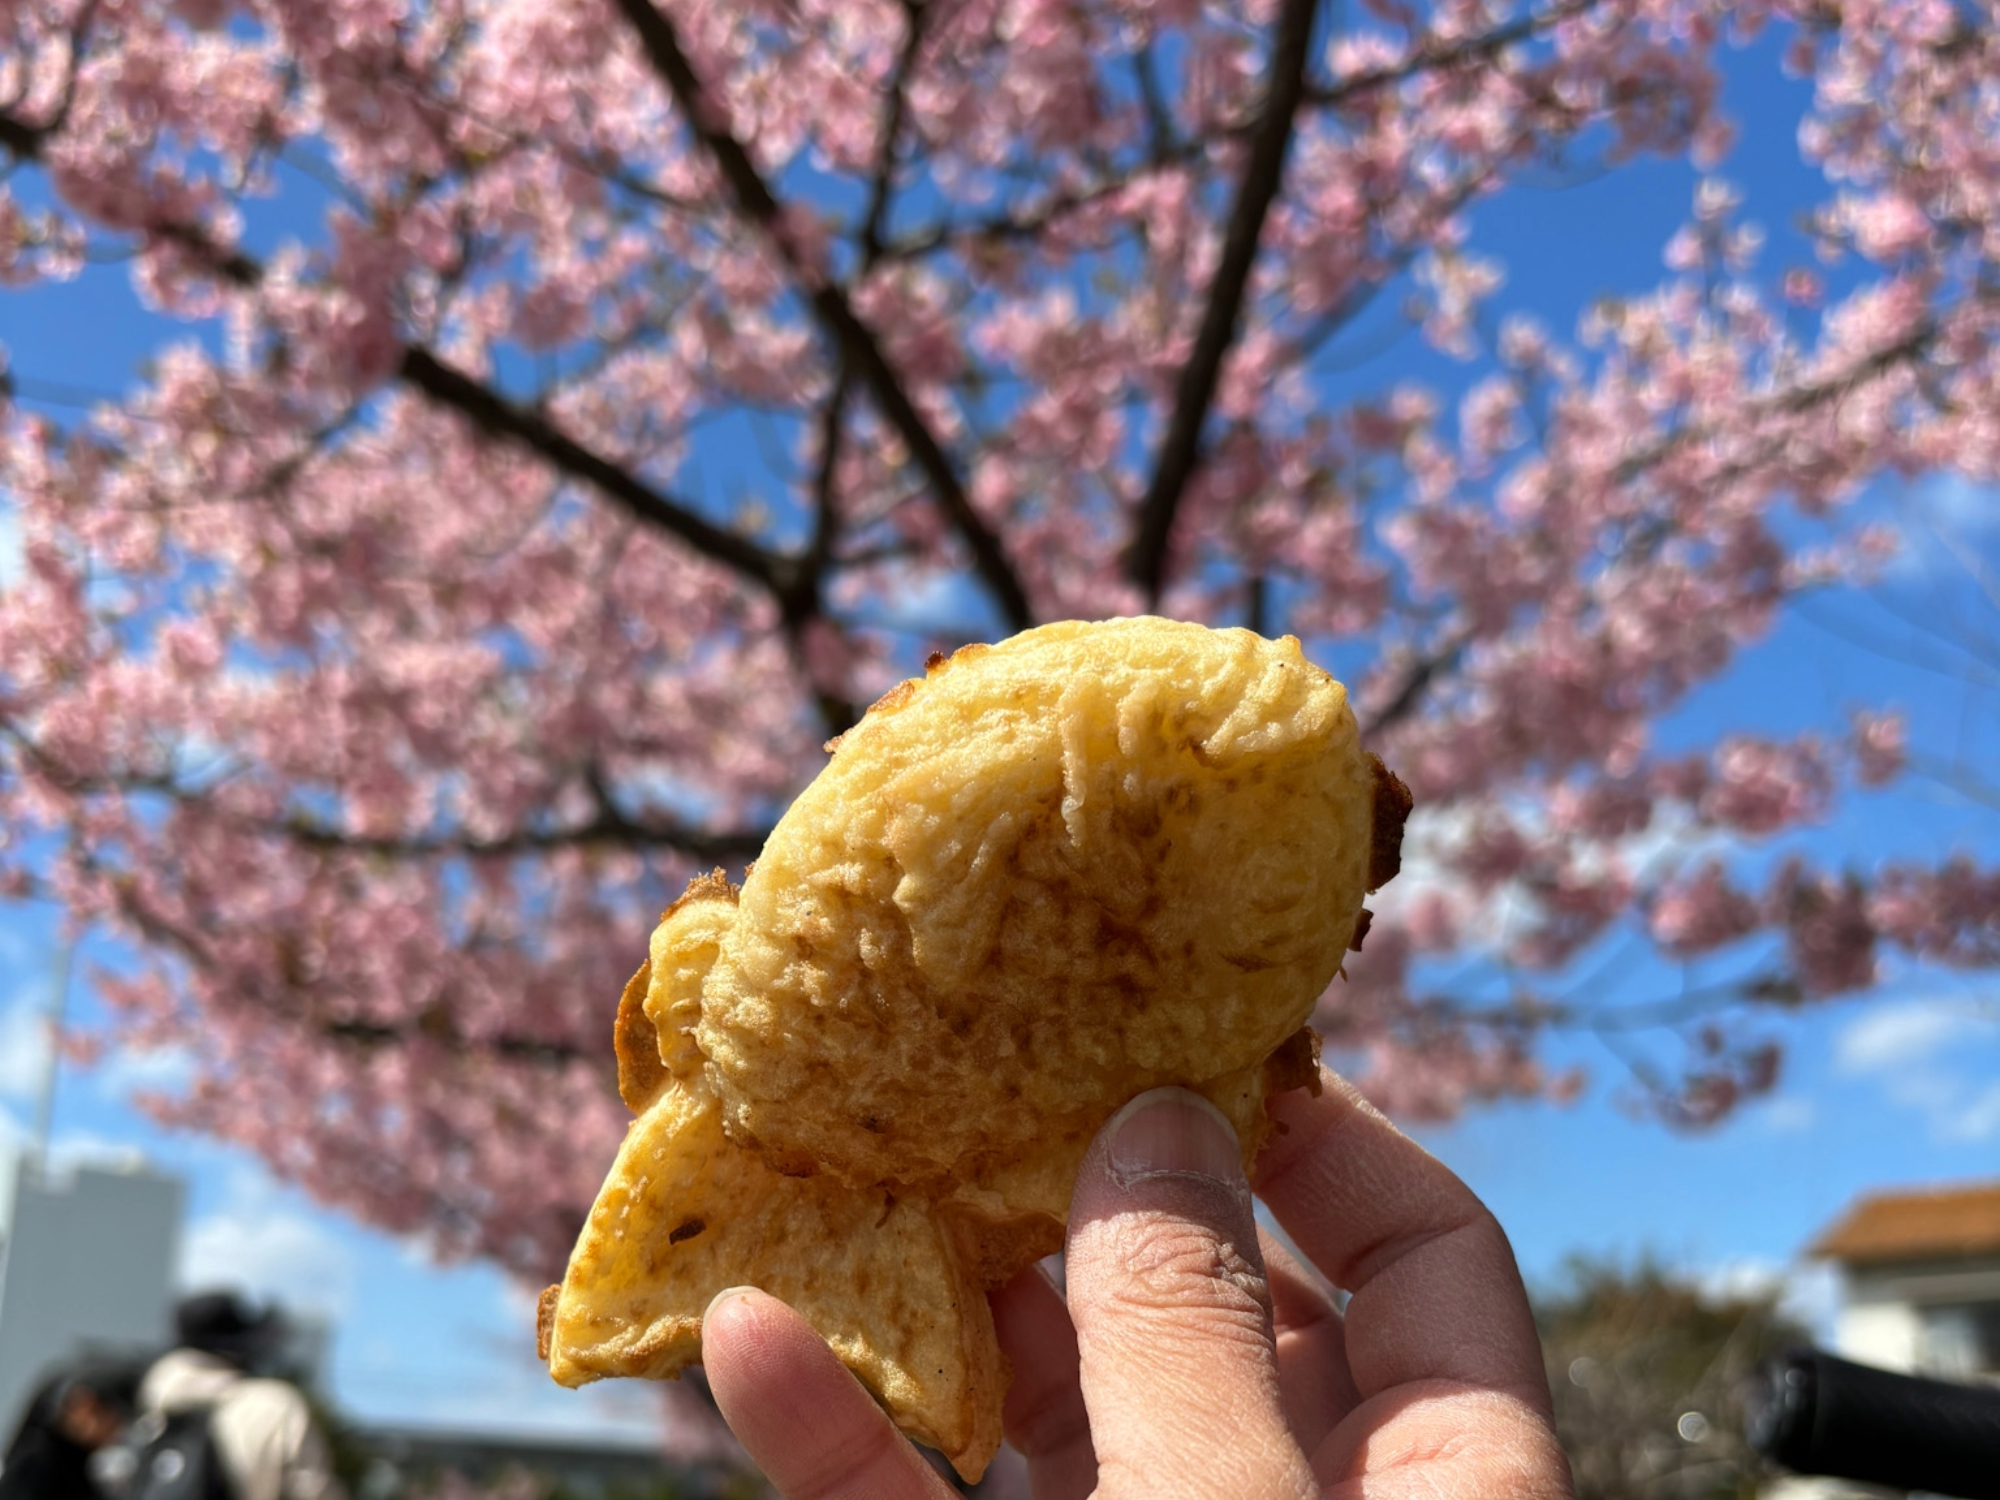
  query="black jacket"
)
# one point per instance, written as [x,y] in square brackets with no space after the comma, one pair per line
[41,1463]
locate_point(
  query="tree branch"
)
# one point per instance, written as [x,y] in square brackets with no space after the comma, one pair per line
[436,1026]
[883,187]
[22,141]
[1797,401]
[1180,451]
[493,413]
[434,1023]
[805,603]
[1257,603]
[1409,694]
[609,827]
[854,340]
[837,713]
[1164,140]
[233,266]
[1005,227]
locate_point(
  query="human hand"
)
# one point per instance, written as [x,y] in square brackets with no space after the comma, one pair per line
[1193,1356]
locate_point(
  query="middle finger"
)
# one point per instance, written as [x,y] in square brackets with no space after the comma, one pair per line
[1045,1416]
[1313,1378]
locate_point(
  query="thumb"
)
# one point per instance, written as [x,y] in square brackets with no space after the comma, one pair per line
[1173,1318]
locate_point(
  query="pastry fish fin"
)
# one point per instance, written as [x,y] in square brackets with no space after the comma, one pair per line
[685,1212]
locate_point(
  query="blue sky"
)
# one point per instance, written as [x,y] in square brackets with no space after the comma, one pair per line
[1902,1089]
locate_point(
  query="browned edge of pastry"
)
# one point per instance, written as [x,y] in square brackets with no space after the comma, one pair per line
[1392,811]
[1294,1065]
[545,1322]
[635,1039]
[714,886]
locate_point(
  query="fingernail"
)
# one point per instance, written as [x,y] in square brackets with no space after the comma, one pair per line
[1172,1133]
[727,1294]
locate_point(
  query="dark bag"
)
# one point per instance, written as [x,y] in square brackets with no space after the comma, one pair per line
[173,1458]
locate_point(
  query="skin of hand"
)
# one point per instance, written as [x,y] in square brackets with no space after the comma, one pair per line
[1192,1355]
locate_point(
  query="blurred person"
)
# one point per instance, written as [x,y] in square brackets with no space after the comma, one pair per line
[76,1414]
[266,1444]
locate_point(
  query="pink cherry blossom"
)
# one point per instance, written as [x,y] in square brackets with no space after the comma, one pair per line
[1697,913]
[1758,787]
[1880,747]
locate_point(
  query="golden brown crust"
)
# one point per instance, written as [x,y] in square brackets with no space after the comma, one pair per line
[637,1042]
[1361,925]
[714,886]
[545,1321]
[1392,811]
[896,697]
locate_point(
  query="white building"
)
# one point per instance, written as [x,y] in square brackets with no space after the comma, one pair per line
[1920,1277]
[1920,1293]
[88,1264]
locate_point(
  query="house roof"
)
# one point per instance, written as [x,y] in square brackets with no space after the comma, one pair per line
[1929,1224]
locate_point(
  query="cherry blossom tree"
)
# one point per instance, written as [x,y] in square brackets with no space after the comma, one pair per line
[385,657]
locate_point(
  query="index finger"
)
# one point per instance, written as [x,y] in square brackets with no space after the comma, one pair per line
[1434,1291]
[800,1415]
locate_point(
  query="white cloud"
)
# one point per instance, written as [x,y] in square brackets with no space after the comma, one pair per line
[24,1048]
[1975,1119]
[1897,1036]
[1493,920]
[1932,1056]
[262,1245]
[1963,505]
[1947,523]
[1788,1114]
[125,1071]
[947,603]
[69,1149]
[1808,1293]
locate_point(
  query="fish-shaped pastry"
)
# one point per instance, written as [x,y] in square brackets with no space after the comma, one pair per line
[1091,860]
